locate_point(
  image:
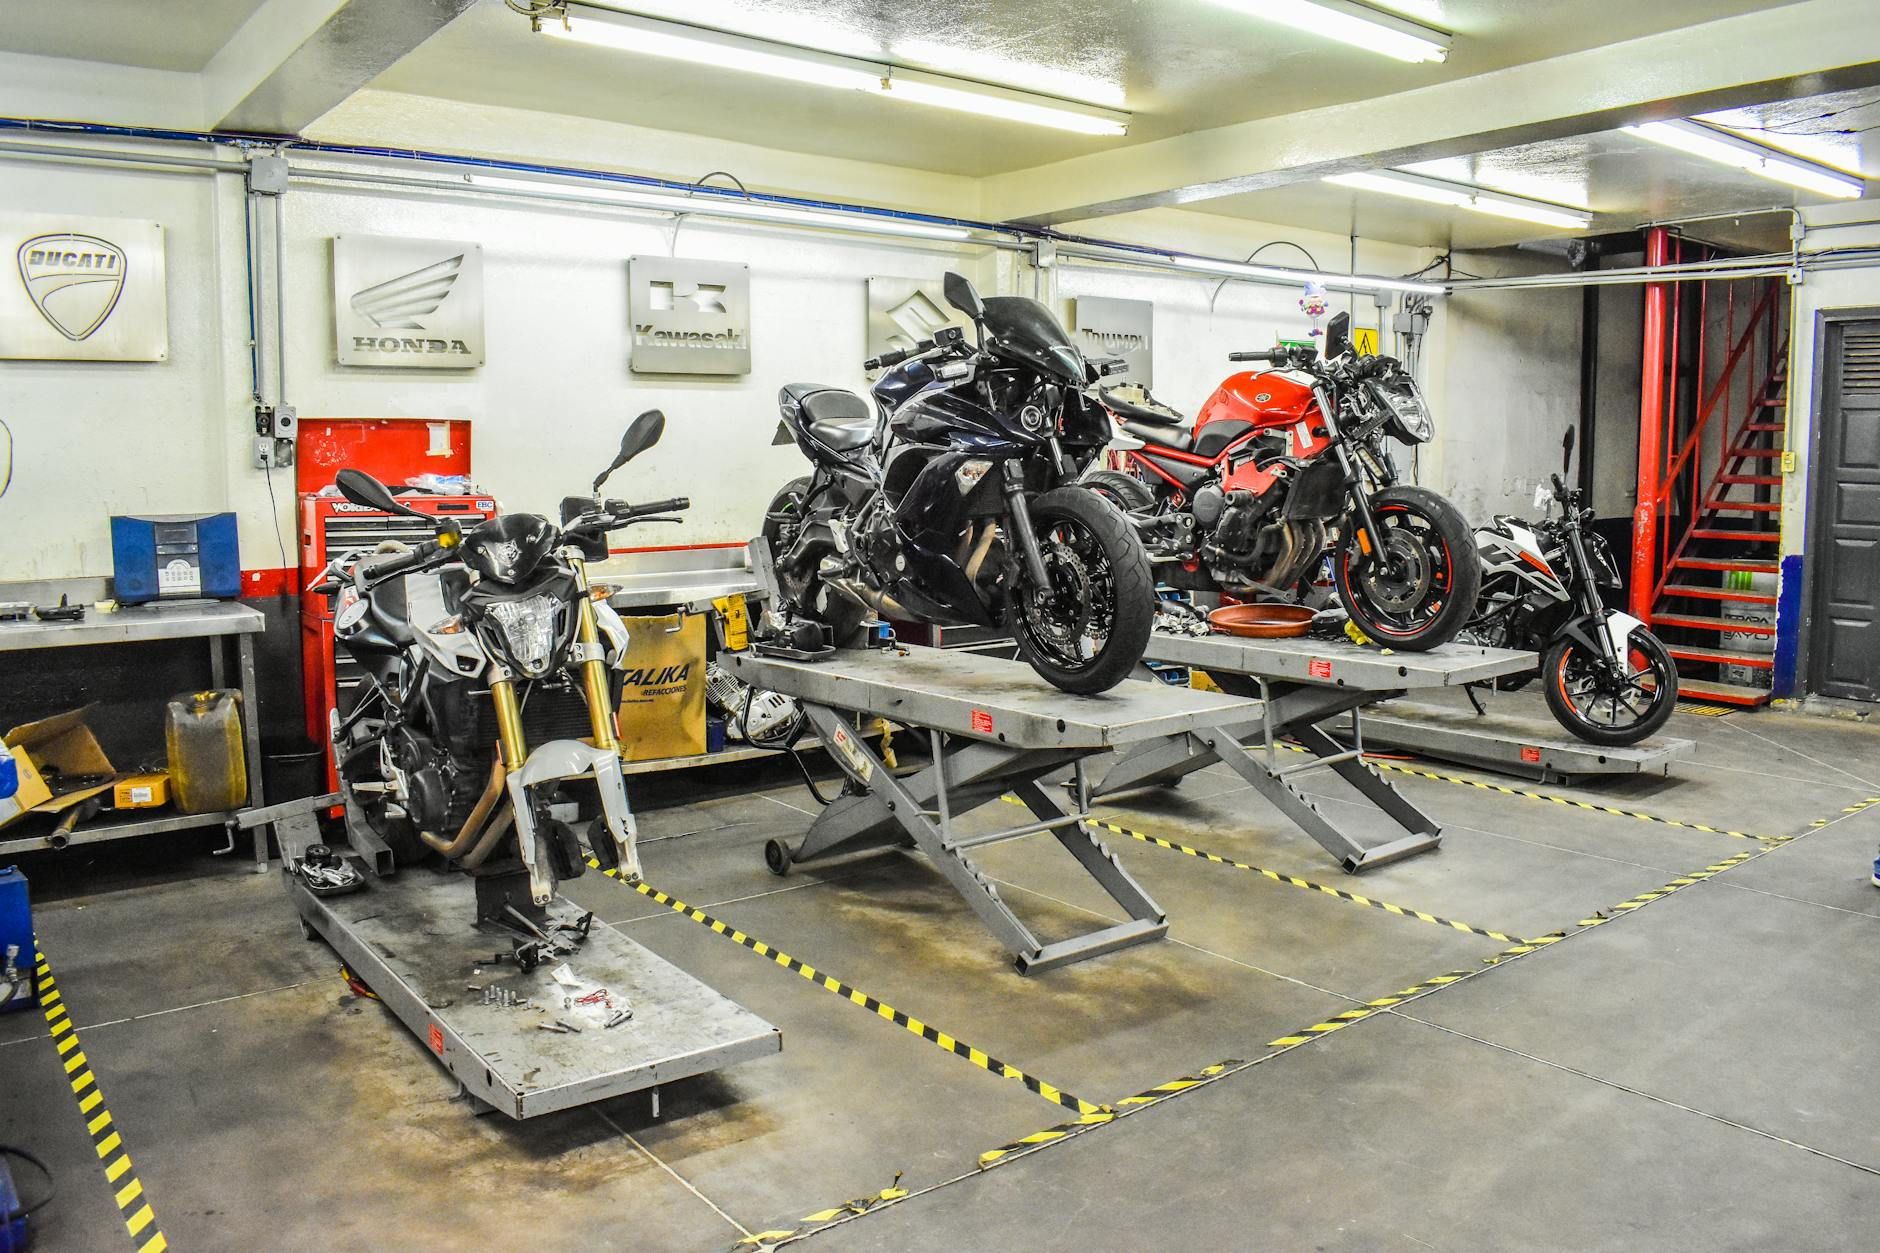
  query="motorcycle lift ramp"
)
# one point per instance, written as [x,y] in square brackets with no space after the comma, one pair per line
[993,726]
[1302,683]
[410,938]
[1527,748]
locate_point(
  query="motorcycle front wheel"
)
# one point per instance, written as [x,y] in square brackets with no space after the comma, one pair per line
[1419,591]
[1603,707]
[1086,631]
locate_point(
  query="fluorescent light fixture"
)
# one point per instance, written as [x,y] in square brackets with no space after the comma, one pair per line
[728,207]
[1361,282]
[1713,144]
[989,101]
[990,67]
[1391,186]
[627,32]
[1463,196]
[1357,24]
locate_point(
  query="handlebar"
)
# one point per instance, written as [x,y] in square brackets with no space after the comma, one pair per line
[673,505]
[945,337]
[1269,355]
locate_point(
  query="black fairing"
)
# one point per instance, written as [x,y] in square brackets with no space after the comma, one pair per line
[1021,329]
[509,548]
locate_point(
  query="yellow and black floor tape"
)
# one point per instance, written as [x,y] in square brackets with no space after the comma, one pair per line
[1128,1105]
[1677,884]
[1589,806]
[1402,911]
[933,1035]
[1855,808]
[823,1217]
[113,1158]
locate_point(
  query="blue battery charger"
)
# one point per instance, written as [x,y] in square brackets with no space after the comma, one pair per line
[16,942]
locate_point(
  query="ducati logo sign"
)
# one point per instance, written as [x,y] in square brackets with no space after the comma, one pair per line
[73,280]
[410,303]
[88,289]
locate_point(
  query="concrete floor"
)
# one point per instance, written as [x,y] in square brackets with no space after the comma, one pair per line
[1696,1073]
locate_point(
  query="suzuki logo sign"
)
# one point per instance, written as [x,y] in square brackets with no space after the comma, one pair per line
[88,289]
[689,317]
[409,303]
[904,311]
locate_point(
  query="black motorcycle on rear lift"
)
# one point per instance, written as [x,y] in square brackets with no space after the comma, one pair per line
[958,506]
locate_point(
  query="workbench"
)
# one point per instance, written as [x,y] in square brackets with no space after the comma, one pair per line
[994,726]
[228,628]
[1303,683]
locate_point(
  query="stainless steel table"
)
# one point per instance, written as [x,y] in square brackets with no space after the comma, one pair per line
[994,727]
[1301,684]
[219,623]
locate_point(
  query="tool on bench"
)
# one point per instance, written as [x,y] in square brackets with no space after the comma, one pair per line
[326,873]
[64,611]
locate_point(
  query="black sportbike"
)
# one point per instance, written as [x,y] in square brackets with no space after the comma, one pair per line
[956,504]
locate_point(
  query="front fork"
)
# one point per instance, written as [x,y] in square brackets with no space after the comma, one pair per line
[566,759]
[1020,511]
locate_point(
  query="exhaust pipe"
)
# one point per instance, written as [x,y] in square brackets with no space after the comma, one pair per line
[492,792]
[868,598]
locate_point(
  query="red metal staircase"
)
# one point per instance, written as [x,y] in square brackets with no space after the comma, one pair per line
[1707,535]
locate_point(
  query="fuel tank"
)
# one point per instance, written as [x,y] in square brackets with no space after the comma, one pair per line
[1249,402]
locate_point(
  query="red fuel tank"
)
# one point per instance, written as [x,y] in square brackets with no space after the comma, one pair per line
[1265,401]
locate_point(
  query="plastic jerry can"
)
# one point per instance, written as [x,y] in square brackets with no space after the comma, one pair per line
[208,770]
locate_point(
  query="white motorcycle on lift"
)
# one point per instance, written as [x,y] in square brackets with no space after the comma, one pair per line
[1606,677]
[486,619]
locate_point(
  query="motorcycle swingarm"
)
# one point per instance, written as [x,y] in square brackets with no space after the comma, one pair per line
[571,759]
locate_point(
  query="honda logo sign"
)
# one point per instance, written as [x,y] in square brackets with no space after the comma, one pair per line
[689,317]
[408,303]
[82,289]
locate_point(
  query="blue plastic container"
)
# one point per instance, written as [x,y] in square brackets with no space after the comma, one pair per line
[9,773]
[16,942]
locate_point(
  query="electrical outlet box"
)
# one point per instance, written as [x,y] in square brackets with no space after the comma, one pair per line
[1788,461]
[277,421]
[272,453]
[267,175]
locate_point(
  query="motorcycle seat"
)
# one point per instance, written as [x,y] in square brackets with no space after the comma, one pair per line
[1179,438]
[1141,414]
[839,420]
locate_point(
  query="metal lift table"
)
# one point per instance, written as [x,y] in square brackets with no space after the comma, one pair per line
[1302,683]
[995,727]
[410,938]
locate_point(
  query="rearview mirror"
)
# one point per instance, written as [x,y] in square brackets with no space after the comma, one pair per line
[1566,445]
[642,435]
[1338,335]
[368,493]
[961,294]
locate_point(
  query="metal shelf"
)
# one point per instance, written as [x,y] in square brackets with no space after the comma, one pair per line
[122,828]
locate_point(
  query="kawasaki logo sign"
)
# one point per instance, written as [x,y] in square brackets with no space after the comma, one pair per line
[409,303]
[87,289]
[689,317]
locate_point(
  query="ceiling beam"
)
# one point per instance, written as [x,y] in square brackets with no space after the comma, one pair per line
[1784,51]
[294,60]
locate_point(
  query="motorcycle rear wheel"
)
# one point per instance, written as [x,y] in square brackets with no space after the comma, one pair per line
[1430,599]
[1125,491]
[1577,697]
[1087,631]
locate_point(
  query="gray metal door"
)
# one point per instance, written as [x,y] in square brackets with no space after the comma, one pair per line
[1845,643]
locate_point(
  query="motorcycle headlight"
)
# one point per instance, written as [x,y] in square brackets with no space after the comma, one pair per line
[1409,415]
[528,627]
[1605,569]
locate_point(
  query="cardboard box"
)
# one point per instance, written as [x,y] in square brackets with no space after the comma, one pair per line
[141,791]
[61,744]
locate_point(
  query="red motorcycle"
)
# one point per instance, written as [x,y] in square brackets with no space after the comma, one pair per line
[1286,466]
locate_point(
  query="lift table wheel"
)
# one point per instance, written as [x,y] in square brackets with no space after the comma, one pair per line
[777,857]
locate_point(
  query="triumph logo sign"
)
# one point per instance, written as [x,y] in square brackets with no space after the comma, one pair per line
[88,289]
[427,293]
[689,317]
[1108,327]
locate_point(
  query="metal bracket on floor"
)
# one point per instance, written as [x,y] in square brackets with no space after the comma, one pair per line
[1302,684]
